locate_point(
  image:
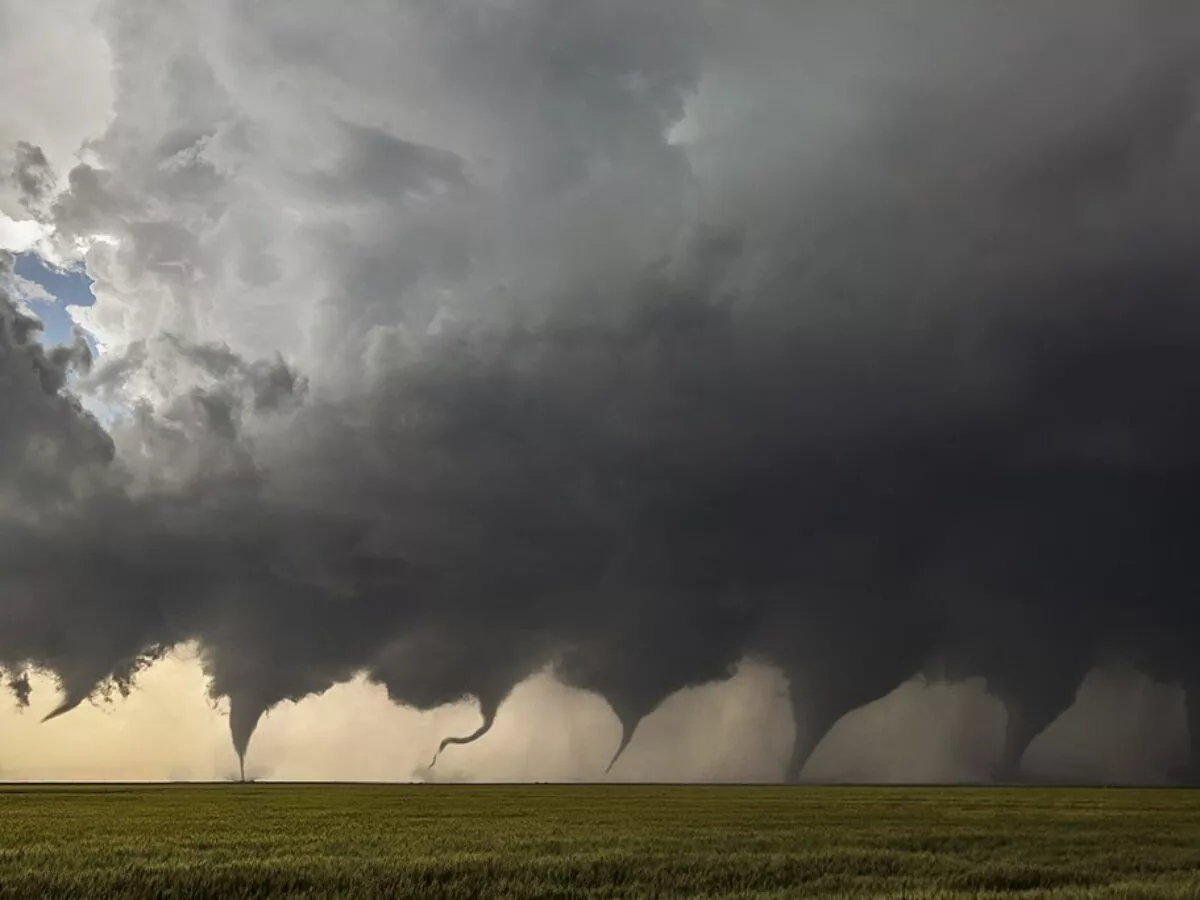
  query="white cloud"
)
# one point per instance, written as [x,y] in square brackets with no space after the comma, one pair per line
[27,293]
[20,235]
[279,177]
[55,89]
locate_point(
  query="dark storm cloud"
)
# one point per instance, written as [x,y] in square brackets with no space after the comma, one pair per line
[917,403]
[47,437]
[32,175]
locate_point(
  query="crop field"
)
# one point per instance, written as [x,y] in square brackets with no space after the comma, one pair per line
[596,841]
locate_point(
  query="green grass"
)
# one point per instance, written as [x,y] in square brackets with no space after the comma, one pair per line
[597,841]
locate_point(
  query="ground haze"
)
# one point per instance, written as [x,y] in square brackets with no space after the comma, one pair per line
[597,841]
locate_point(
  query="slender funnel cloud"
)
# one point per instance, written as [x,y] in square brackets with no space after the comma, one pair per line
[64,707]
[490,699]
[627,731]
[489,719]
[243,719]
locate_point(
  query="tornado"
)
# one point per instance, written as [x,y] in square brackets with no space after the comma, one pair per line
[821,696]
[630,709]
[69,703]
[1030,708]
[428,667]
[634,679]
[628,727]
[488,710]
[630,703]
[489,720]
[244,714]
[80,686]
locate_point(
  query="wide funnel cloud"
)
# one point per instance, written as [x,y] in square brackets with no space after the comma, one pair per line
[446,343]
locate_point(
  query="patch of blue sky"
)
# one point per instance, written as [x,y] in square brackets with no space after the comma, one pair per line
[64,288]
[49,292]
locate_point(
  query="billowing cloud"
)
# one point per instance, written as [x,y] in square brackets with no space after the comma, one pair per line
[451,343]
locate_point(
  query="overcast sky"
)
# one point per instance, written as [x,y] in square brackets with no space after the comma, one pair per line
[606,370]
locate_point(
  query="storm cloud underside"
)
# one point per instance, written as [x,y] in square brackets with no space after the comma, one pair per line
[448,343]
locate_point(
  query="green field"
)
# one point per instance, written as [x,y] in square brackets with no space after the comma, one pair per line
[596,841]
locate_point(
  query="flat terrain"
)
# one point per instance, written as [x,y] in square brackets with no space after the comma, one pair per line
[597,841]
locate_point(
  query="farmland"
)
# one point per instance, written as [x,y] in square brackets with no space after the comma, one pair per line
[596,841]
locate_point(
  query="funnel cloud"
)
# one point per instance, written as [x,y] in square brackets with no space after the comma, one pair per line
[444,344]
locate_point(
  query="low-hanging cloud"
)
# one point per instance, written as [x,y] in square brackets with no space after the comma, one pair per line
[450,343]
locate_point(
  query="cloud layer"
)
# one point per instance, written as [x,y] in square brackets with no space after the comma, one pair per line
[450,343]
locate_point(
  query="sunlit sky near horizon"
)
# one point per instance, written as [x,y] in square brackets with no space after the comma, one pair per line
[168,730]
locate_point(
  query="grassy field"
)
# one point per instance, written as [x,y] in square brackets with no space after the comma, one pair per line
[597,841]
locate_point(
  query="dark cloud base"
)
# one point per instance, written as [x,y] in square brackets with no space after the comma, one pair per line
[861,436]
